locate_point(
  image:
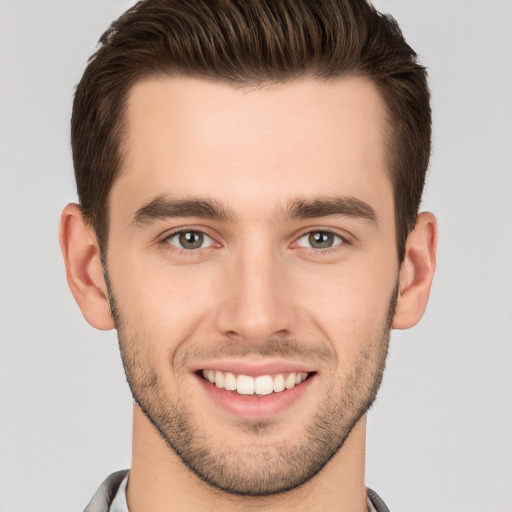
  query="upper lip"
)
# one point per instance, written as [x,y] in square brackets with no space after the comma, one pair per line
[252,368]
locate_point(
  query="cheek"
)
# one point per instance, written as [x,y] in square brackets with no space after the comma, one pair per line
[162,302]
[350,305]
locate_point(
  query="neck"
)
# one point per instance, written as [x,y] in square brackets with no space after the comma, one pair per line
[160,482]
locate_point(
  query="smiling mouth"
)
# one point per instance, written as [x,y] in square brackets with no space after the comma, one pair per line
[260,385]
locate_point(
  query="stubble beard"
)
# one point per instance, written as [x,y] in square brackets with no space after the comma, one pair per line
[256,469]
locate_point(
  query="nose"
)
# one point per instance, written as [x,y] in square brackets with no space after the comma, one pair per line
[257,300]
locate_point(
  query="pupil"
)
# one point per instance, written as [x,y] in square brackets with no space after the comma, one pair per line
[191,239]
[321,240]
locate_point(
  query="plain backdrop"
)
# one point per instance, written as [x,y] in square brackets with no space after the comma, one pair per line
[440,434]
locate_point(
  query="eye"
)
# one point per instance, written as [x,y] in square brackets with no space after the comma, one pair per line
[320,240]
[190,240]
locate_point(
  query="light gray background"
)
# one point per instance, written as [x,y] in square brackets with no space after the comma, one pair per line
[440,435]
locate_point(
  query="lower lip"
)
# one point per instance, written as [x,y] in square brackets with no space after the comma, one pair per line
[255,406]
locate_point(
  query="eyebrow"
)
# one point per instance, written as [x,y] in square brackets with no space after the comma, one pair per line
[163,207]
[330,207]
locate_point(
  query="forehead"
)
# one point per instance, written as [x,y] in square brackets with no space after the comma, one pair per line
[189,136]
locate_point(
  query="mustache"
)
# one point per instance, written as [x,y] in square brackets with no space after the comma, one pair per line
[289,348]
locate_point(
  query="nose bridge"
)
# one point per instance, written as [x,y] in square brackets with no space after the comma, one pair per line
[257,303]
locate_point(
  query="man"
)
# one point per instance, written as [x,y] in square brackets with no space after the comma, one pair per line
[249,175]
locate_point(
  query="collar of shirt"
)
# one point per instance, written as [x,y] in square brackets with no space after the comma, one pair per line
[119,503]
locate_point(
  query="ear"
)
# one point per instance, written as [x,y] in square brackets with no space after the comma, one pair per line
[83,267]
[417,272]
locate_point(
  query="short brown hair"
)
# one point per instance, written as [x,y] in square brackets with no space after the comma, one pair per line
[247,42]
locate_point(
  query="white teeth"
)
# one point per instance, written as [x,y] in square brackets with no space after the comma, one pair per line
[219,379]
[229,381]
[245,385]
[261,385]
[279,383]
[289,383]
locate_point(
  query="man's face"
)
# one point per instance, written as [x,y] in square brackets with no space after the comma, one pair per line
[252,243]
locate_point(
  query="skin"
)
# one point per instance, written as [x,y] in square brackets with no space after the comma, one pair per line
[257,287]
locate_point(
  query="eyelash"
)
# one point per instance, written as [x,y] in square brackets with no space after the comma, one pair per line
[344,240]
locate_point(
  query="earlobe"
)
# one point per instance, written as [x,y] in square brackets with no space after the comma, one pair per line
[417,272]
[83,267]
